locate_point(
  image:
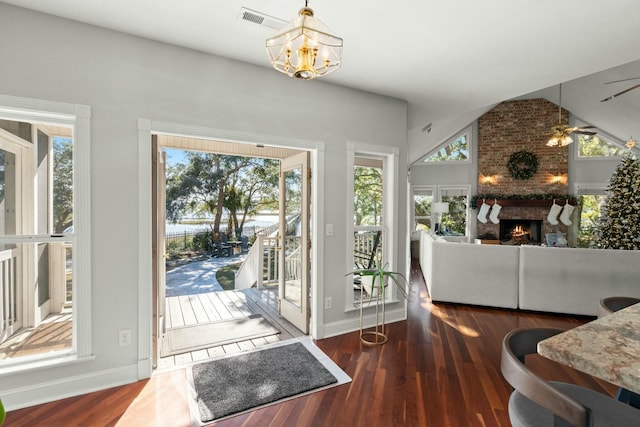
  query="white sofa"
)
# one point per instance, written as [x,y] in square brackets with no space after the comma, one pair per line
[574,280]
[560,280]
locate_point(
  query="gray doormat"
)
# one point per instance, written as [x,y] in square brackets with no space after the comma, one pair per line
[205,335]
[235,384]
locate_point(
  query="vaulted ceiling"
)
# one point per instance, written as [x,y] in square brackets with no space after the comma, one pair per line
[451,60]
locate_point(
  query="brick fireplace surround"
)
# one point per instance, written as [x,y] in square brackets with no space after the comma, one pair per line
[514,126]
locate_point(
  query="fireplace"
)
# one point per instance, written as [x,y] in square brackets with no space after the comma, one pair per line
[520,231]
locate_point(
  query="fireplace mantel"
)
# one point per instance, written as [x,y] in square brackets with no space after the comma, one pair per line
[523,203]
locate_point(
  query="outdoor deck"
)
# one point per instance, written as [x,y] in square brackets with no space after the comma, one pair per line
[209,307]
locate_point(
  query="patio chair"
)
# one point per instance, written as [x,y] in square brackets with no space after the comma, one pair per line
[538,403]
[244,243]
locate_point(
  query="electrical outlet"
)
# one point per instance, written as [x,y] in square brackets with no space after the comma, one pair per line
[124,337]
[328,303]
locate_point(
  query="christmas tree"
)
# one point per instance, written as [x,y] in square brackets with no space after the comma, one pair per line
[619,225]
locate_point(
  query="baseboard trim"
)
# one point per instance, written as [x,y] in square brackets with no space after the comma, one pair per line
[45,392]
[345,326]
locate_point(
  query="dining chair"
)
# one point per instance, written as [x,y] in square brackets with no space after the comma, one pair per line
[607,306]
[536,402]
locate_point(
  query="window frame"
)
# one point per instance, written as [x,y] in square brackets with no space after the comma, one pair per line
[415,190]
[389,224]
[78,117]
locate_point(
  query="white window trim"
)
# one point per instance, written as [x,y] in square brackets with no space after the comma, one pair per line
[470,143]
[390,158]
[78,116]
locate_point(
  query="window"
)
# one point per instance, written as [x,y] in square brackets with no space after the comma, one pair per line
[454,222]
[456,149]
[599,145]
[371,209]
[422,200]
[590,203]
[44,293]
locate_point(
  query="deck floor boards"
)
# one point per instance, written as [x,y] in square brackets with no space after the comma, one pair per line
[218,306]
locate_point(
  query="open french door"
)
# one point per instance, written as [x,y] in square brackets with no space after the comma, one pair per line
[294,240]
[158,252]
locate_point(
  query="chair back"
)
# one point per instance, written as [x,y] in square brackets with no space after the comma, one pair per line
[515,346]
[611,304]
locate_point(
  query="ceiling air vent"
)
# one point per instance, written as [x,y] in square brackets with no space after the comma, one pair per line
[261,19]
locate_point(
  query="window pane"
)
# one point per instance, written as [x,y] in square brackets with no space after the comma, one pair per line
[422,211]
[367,195]
[454,222]
[458,150]
[597,146]
[589,206]
[31,337]
[7,193]
[62,185]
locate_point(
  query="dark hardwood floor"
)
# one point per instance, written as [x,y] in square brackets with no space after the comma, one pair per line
[440,368]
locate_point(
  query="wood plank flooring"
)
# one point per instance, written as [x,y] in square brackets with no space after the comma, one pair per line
[189,310]
[440,368]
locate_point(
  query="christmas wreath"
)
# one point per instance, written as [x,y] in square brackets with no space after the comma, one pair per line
[522,164]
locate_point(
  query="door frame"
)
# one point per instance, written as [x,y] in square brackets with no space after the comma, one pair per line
[148,127]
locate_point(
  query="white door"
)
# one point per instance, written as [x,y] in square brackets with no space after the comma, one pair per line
[294,240]
[158,243]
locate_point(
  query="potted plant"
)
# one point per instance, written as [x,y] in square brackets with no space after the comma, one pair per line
[374,282]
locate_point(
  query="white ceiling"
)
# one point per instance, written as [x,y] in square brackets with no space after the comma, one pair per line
[445,57]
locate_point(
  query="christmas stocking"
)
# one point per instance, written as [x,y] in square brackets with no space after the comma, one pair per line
[565,216]
[495,211]
[484,210]
[553,213]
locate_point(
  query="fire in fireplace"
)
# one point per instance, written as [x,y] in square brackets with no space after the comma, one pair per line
[521,231]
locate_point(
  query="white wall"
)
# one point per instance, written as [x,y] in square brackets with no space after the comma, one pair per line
[124,79]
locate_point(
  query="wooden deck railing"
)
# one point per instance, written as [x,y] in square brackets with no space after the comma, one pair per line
[8,291]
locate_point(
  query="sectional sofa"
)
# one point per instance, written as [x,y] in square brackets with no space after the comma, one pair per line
[559,280]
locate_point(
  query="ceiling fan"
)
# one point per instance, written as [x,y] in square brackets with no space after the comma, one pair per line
[561,133]
[624,91]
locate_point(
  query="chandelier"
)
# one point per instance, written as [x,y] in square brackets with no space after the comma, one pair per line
[305,48]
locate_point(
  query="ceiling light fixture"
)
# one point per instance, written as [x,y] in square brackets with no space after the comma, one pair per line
[561,133]
[305,48]
[630,143]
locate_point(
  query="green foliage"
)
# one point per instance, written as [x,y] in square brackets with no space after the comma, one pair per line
[596,146]
[619,225]
[62,184]
[226,276]
[455,221]
[458,150]
[522,164]
[381,277]
[367,188]
[216,185]
[589,210]
[2,413]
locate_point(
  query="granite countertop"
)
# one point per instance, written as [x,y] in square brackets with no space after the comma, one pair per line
[607,348]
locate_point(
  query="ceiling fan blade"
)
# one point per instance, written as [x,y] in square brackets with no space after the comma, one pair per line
[584,132]
[621,93]
[623,80]
[586,127]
